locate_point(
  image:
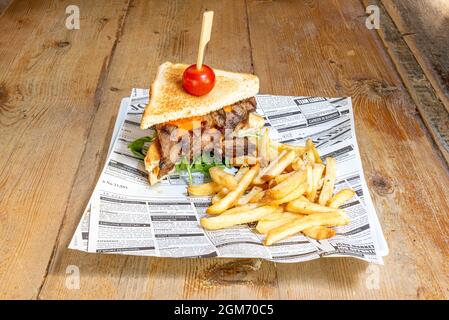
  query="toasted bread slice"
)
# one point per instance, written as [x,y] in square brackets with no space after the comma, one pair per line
[152,160]
[169,101]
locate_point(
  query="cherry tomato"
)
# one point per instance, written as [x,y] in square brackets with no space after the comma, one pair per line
[198,82]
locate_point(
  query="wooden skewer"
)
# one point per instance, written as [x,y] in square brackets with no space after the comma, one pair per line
[206,29]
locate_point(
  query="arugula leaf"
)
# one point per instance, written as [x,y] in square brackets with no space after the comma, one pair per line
[200,164]
[184,165]
[138,147]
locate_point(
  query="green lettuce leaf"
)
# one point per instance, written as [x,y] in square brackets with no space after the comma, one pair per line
[200,164]
[138,147]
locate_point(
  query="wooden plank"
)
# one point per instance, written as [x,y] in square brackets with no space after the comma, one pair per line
[322,48]
[424,26]
[431,109]
[156,31]
[48,86]
[3,5]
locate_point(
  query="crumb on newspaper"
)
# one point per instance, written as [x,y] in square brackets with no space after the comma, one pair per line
[286,192]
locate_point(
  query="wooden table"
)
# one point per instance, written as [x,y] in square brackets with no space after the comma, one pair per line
[59,94]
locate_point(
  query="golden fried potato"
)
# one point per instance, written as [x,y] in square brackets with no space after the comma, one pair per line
[231,198]
[205,189]
[304,206]
[329,181]
[340,198]
[319,232]
[228,220]
[328,219]
[221,177]
[287,186]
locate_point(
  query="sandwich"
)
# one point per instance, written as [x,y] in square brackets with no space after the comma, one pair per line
[187,127]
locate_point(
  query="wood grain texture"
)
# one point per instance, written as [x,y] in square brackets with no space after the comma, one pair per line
[3,5]
[430,107]
[424,26]
[171,33]
[322,48]
[48,86]
[303,48]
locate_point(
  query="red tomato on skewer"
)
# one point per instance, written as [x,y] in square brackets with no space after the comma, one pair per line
[198,82]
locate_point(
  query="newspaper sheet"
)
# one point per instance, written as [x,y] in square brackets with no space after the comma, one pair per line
[127,216]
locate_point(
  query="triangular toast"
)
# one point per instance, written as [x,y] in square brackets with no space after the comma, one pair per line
[169,101]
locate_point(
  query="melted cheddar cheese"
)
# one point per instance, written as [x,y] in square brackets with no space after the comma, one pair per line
[187,123]
[192,122]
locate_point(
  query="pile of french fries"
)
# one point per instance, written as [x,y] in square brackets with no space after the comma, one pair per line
[286,192]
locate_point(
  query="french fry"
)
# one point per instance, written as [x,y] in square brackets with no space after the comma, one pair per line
[282,177]
[328,219]
[286,187]
[258,179]
[247,197]
[205,189]
[340,198]
[279,167]
[263,148]
[317,172]
[220,195]
[271,183]
[281,214]
[317,196]
[265,225]
[319,232]
[298,164]
[304,206]
[329,181]
[264,186]
[228,220]
[231,198]
[273,216]
[257,197]
[278,179]
[221,177]
[296,193]
[320,184]
[246,207]
[316,155]
[311,146]
[299,150]
[242,170]
[309,157]
[273,152]
[223,192]
[309,179]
